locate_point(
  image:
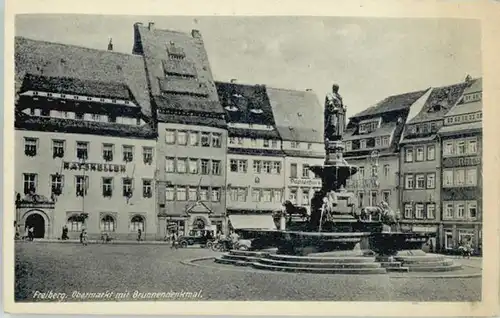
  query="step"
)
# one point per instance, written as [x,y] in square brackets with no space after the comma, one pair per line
[451,268]
[292,258]
[240,258]
[398,269]
[232,262]
[390,264]
[320,270]
[317,265]
[445,262]
[418,259]
[246,253]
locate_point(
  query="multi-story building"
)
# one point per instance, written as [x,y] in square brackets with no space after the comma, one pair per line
[255,173]
[461,186]
[84,142]
[299,121]
[420,161]
[371,143]
[192,134]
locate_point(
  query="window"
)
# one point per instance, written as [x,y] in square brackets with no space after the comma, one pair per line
[409,155]
[137,223]
[448,210]
[266,143]
[305,171]
[362,144]
[378,142]
[276,167]
[203,194]
[386,170]
[305,197]
[192,194]
[374,171]
[253,142]
[242,166]
[448,240]
[216,167]
[170,164]
[277,194]
[361,199]
[147,188]
[127,187]
[56,184]
[147,155]
[471,176]
[232,140]
[431,181]
[205,139]
[57,148]
[293,196]
[170,136]
[107,187]
[75,223]
[256,195]
[274,143]
[293,170]
[460,210]
[361,172]
[181,165]
[373,198]
[449,120]
[240,141]
[348,146]
[309,146]
[431,152]
[216,140]
[472,147]
[461,147]
[82,151]
[107,152]
[215,194]
[128,153]
[420,154]
[169,193]
[472,209]
[385,196]
[193,166]
[266,167]
[408,211]
[30,183]
[431,209]
[242,194]
[182,138]
[81,185]
[257,165]
[447,178]
[181,193]
[459,177]
[108,224]
[233,165]
[193,138]
[448,148]
[205,166]
[419,211]
[409,182]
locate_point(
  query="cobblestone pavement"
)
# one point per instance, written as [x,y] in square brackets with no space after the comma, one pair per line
[44,268]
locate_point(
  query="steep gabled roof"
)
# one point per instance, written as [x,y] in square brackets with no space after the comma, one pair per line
[391,103]
[62,67]
[298,114]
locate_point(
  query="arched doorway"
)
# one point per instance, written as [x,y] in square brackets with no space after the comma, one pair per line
[36,221]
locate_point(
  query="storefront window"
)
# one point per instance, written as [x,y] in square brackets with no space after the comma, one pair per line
[448,240]
[466,236]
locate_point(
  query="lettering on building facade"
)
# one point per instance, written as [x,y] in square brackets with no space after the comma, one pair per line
[104,167]
[306,182]
[461,162]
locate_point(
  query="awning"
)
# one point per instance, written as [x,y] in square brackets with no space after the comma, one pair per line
[461,128]
[252,221]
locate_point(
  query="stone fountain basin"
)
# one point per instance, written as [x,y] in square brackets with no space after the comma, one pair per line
[397,243]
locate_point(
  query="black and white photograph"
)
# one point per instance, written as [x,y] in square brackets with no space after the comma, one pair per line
[247,158]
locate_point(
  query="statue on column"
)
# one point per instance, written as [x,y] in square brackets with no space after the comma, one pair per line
[334,115]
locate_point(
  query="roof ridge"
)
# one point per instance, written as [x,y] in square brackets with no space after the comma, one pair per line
[18,37]
[291,90]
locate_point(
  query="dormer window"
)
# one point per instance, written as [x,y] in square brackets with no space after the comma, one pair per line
[449,120]
[256,111]
[377,142]
[231,108]
[362,144]
[368,126]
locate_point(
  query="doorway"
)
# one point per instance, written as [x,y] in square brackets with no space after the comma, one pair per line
[36,221]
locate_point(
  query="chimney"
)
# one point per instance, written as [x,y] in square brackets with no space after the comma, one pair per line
[110,44]
[137,48]
[308,89]
[151,26]
[233,80]
[196,34]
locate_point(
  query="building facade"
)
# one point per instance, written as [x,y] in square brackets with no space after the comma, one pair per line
[192,132]
[301,131]
[255,171]
[371,143]
[420,170]
[84,142]
[461,186]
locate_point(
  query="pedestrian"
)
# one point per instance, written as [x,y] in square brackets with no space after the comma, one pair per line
[64,235]
[139,234]
[31,234]
[84,237]
[174,240]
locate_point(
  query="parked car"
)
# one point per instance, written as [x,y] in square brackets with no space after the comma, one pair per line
[196,237]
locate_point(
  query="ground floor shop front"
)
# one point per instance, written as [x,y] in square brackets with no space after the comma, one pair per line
[454,234]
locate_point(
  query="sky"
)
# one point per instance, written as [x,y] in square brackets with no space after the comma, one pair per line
[369,58]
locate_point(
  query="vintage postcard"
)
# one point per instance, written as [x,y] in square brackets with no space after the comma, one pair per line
[219,160]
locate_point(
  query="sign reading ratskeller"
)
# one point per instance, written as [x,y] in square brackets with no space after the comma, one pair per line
[307,182]
[105,167]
